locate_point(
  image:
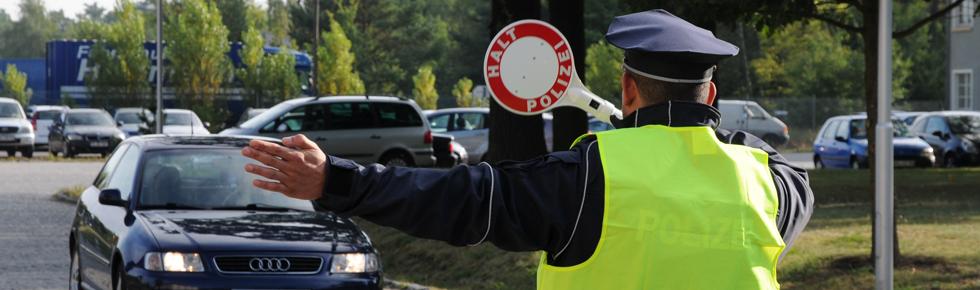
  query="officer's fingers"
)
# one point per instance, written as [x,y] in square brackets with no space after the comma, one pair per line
[265,172]
[299,141]
[273,149]
[270,186]
[264,157]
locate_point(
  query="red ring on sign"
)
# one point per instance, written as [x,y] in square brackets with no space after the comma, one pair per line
[500,43]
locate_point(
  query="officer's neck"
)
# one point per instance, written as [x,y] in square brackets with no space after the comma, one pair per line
[671,113]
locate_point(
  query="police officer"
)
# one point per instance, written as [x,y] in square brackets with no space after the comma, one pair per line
[666,201]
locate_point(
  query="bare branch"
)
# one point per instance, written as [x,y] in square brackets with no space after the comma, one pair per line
[835,22]
[942,12]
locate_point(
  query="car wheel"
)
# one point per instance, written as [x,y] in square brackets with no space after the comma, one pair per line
[817,163]
[117,282]
[11,153]
[51,151]
[949,161]
[74,272]
[395,159]
[66,152]
[27,153]
[855,164]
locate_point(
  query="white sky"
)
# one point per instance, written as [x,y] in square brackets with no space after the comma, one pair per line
[70,7]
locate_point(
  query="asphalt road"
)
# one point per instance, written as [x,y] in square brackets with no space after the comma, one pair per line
[33,226]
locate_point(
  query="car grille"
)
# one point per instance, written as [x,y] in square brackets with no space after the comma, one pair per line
[96,138]
[7,129]
[285,265]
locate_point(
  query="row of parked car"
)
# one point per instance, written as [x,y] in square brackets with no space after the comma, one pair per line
[921,139]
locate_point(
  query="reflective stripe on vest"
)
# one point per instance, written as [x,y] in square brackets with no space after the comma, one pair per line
[682,211]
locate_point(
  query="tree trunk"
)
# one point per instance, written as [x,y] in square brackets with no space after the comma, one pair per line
[513,137]
[570,123]
[870,36]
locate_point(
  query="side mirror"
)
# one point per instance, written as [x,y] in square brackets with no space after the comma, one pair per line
[207,125]
[111,197]
[940,134]
[840,139]
[119,123]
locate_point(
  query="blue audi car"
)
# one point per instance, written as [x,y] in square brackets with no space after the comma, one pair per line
[843,143]
[180,213]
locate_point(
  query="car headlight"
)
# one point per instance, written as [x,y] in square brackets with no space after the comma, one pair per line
[968,146]
[74,137]
[926,152]
[120,136]
[24,129]
[173,262]
[354,263]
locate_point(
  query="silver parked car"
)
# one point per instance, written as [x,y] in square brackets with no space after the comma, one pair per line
[365,129]
[132,120]
[469,127]
[42,119]
[183,122]
[748,116]
[16,133]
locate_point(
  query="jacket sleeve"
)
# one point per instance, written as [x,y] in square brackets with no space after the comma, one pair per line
[792,185]
[518,206]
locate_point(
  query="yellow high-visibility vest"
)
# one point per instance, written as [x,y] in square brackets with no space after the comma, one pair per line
[682,211]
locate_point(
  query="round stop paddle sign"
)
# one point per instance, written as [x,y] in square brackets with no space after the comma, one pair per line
[528,67]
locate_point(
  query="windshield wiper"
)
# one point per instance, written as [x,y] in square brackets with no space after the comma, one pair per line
[170,205]
[257,206]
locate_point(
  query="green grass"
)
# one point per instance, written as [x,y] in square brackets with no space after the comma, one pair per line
[939,230]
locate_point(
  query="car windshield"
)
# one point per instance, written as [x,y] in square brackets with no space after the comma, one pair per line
[275,111]
[128,118]
[89,119]
[179,119]
[206,179]
[858,131]
[10,110]
[965,124]
[47,114]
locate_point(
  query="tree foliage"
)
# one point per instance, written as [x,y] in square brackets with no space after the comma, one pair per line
[120,60]
[234,16]
[463,91]
[14,85]
[335,73]
[603,70]
[425,93]
[278,24]
[196,47]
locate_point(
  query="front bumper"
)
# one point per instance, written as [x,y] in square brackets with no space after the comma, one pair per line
[87,146]
[139,278]
[16,141]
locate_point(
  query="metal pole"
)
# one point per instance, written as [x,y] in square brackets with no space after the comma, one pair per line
[316,49]
[159,117]
[884,185]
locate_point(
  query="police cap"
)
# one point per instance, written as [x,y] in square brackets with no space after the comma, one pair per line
[665,47]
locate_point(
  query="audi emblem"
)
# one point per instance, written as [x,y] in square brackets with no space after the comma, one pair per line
[269,264]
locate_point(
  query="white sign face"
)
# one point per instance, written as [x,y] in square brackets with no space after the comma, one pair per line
[528,67]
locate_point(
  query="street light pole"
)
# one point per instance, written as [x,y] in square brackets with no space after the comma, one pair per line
[159,95]
[884,183]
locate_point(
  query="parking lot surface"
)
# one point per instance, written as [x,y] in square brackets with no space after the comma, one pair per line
[33,226]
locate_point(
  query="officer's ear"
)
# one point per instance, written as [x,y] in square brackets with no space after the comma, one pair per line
[712,93]
[631,93]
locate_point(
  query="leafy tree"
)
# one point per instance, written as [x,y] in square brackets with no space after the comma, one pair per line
[603,70]
[233,15]
[121,74]
[14,85]
[252,54]
[280,82]
[335,69]
[31,32]
[93,12]
[425,93]
[279,23]
[463,91]
[196,47]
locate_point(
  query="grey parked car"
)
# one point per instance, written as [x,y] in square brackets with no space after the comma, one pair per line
[469,127]
[366,129]
[16,133]
[748,116]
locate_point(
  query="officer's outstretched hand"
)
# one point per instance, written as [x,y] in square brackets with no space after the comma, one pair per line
[297,169]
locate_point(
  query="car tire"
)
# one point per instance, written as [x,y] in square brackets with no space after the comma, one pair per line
[74,272]
[855,164]
[11,153]
[51,151]
[117,278]
[395,158]
[817,163]
[27,153]
[949,161]
[66,152]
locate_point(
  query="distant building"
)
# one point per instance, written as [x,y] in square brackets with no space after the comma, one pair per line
[34,69]
[964,58]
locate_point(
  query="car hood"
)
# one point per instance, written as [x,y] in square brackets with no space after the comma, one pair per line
[234,230]
[14,122]
[87,130]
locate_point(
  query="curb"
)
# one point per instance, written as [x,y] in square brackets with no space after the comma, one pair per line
[61,196]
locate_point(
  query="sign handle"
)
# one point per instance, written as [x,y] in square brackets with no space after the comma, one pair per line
[580,97]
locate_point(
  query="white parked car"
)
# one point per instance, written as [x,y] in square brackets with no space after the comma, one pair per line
[469,127]
[42,119]
[183,122]
[16,133]
[748,116]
